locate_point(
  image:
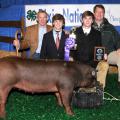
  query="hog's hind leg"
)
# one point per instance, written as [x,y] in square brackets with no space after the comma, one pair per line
[3,97]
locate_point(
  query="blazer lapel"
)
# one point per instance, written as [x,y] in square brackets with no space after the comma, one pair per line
[62,41]
[52,41]
[49,28]
[34,39]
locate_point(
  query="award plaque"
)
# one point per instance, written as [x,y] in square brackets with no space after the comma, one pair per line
[99,53]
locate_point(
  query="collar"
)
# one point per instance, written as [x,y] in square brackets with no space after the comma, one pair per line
[54,31]
[43,27]
[86,30]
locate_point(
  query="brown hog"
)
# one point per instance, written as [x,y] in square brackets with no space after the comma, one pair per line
[43,76]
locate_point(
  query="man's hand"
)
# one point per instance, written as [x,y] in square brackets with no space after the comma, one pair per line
[16,43]
[105,56]
[66,32]
[118,51]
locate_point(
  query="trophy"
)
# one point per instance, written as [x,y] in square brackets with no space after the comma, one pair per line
[73,35]
[18,35]
[99,53]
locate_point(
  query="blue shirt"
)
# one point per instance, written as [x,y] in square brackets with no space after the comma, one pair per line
[42,31]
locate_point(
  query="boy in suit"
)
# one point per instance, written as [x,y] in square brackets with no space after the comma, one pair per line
[87,38]
[54,41]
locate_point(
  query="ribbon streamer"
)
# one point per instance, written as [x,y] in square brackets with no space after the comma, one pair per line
[69,43]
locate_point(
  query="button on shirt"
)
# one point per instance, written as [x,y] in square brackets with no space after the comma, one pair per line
[42,31]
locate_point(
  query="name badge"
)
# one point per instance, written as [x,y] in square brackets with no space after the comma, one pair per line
[99,53]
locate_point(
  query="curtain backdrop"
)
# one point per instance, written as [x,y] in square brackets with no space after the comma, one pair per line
[12,13]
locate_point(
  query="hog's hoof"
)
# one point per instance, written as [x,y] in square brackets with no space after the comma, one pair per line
[60,104]
[70,113]
[2,118]
[2,115]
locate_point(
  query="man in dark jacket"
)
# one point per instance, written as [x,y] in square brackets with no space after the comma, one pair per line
[110,38]
[87,38]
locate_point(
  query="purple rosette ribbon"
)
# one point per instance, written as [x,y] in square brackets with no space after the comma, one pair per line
[69,43]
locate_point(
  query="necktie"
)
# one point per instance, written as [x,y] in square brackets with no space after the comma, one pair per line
[57,40]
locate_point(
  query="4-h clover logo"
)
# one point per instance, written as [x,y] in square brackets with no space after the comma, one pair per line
[31,15]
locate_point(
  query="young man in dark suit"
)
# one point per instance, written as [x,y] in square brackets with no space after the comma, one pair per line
[54,41]
[87,38]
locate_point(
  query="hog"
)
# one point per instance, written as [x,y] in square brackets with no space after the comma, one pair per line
[55,76]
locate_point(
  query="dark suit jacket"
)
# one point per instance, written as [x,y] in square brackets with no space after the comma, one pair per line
[49,50]
[86,44]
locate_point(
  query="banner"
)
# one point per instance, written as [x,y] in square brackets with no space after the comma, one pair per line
[71,12]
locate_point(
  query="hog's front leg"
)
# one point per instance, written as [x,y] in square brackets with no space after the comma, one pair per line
[2,110]
[58,99]
[66,96]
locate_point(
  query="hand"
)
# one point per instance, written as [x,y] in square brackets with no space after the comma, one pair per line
[105,56]
[118,51]
[16,43]
[66,32]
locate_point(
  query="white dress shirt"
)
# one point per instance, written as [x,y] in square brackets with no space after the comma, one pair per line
[86,30]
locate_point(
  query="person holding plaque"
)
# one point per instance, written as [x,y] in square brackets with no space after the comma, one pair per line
[87,38]
[110,40]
